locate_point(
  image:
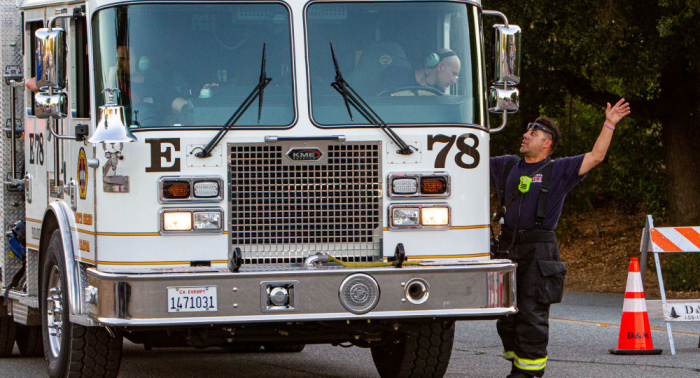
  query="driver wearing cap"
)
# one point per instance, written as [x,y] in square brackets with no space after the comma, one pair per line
[439,70]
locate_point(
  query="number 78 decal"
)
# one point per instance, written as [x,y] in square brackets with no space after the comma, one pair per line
[462,146]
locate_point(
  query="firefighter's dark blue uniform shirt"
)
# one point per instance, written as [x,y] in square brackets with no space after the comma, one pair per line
[564,178]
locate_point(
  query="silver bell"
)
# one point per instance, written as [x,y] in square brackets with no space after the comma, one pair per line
[111,123]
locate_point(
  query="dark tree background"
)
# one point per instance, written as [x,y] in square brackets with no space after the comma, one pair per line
[578,55]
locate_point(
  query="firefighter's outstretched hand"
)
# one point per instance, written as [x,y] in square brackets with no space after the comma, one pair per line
[614,114]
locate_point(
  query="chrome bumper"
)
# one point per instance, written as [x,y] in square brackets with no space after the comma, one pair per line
[458,290]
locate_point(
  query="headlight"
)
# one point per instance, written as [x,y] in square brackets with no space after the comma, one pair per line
[405,217]
[419,216]
[210,220]
[435,216]
[177,221]
[191,221]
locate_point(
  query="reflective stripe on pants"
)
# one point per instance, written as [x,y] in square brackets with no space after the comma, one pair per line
[509,355]
[530,365]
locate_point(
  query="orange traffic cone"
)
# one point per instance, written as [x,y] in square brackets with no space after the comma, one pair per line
[635,334]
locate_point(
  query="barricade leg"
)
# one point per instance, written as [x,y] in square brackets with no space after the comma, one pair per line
[663,303]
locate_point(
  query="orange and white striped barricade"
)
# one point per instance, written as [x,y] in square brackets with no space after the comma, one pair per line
[670,240]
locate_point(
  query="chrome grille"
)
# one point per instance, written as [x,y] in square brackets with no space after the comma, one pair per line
[283,211]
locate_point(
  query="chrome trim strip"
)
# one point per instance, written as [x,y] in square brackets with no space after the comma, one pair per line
[462,314]
[472,266]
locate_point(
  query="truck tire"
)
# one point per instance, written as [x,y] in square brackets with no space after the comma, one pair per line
[422,355]
[71,349]
[7,335]
[285,348]
[29,341]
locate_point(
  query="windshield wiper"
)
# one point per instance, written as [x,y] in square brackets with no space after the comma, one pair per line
[352,98]
[257,92]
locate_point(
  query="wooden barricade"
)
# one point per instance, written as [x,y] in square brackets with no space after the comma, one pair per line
[669,240]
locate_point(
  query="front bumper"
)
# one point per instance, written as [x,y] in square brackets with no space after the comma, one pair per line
[458,290]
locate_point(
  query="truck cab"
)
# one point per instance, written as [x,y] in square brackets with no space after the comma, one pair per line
[250,175]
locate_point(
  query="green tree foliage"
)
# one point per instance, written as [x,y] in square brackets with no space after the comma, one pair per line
[580,54]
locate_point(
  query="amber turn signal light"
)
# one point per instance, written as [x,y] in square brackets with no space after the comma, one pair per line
[176,189]
[433,185]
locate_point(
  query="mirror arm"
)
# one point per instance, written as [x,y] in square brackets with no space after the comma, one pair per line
[77,12]
[497,14]
[505,116]
[53,19]
[58,136]
[50,127]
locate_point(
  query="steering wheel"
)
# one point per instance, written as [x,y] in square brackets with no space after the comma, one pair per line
[412,91]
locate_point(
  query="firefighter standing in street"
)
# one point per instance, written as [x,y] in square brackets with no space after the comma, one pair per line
[531,194]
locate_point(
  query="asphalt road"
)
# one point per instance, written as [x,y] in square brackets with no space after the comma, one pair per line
[583,328]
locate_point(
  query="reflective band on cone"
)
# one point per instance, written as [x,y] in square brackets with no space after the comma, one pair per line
[635,333]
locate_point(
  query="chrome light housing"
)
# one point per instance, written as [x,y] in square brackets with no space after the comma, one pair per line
[190,189]
[177,221]
[419,185]
[433,216]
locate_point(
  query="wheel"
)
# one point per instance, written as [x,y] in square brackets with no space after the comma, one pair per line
[7,335]
[29,341]
[412,91]
[71,349]
[423,354]
[285,348]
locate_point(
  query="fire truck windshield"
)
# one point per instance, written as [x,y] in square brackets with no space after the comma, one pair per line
[181,65]
[412,62]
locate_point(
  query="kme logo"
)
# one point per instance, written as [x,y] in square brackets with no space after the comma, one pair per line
[305,154]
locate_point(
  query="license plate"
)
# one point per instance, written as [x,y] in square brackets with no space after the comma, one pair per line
[192,299]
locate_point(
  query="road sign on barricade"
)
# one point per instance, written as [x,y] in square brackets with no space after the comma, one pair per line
[670,240]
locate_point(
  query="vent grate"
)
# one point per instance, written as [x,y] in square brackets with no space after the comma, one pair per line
[282,211]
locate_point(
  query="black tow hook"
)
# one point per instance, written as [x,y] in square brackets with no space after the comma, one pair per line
[399,255]
[235,260]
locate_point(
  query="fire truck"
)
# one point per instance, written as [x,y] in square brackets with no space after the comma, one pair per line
[248,175]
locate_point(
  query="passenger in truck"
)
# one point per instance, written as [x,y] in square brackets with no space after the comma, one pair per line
[141,88]
[437,72]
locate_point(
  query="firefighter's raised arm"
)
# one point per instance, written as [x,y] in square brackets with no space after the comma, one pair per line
[613,115]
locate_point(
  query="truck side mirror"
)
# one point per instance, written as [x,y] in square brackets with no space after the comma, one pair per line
[506,54]
[50,58]
[506,69]
[50,105]
[501,100]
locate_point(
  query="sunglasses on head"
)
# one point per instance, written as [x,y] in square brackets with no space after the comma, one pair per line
[537,126]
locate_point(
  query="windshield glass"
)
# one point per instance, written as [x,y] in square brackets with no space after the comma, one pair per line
[413,63]
[194,64]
